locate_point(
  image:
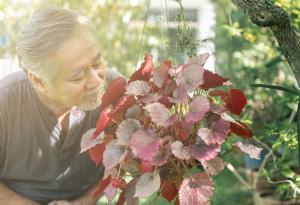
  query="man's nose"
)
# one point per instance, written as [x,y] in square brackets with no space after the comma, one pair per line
[93,80]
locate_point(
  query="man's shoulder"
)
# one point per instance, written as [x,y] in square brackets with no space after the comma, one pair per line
[111,74]
[12,80]
[11,88]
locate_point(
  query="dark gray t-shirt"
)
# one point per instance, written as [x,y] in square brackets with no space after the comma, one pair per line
[34,161]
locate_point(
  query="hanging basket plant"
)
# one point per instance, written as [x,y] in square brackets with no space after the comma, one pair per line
[162,131]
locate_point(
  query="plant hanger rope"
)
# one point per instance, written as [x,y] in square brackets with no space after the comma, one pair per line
[186,45]
[143,32]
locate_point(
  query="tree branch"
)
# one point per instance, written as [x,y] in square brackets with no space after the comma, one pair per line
[266,14]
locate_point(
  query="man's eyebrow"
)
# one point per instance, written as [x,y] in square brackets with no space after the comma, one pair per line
[78,70]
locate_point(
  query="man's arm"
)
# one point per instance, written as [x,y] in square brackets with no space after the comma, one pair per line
[87,197]
[84,199]
[9,197]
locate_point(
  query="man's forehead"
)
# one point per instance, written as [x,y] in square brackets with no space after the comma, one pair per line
[77,52]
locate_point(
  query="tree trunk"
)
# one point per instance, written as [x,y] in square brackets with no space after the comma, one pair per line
[266,14]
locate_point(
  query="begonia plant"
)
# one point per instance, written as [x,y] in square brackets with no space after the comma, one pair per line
[161,131]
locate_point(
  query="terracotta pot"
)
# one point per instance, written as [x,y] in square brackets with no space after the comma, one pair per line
[266,198]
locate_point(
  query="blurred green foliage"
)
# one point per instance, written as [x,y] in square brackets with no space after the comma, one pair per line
[117,26]
[249,54]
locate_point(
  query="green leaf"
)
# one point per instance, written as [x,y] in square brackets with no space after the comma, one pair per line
[192,171]
[288,173]
[276,87]
[276,145]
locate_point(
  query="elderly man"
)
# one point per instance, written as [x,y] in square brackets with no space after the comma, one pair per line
[45,110]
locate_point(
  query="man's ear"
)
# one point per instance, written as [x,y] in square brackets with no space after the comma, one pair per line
[37,82]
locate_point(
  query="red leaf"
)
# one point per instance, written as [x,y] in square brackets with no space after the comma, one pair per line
[96,153]
[160,74]
[121,199]
[145,71]
[165,101]
[102,185]
[217,93]
[118,113]
[185,129]
[168,190]
[241,129]
[114,90]
[118,183]
[235,101]
[145,167]
[212,80]
[102,122]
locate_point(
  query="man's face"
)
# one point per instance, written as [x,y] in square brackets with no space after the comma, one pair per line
[80,78]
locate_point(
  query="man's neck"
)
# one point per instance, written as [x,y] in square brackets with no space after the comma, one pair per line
[59,110]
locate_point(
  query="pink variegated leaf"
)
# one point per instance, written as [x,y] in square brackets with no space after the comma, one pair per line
[138,87]
[176,70]
[168,89]
[160,74]
[213,166]
[129,191]
[196,190]
[88,141]
[217,134]
[180,151]
[199,59]
[144,144]
[218,109]
[125,131]
[171,120]
[150,98]
[197,109]
[160,114]
[161,156]
[110,193]
[113,173]
[253,151]
[147,184]
[191,76]
[133,112]
[203,152]
[113,155]
[179,95]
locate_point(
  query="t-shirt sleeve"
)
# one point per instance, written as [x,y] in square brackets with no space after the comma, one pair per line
[1,143]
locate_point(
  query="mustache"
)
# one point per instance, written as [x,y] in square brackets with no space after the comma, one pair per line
[98,90]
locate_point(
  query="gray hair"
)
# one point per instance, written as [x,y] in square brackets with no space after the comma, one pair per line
[44,33]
